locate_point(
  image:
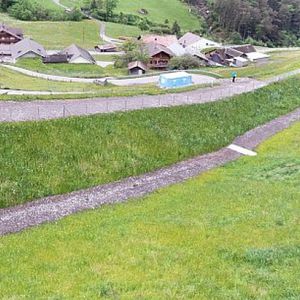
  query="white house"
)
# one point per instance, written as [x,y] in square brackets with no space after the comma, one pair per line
[194,44]
[78,55]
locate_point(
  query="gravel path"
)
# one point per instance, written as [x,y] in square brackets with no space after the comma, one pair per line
[56,207]
[13,111]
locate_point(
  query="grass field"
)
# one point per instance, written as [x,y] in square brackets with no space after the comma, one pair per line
[279,63]
[70,154]
[159,11]
[58,35]
[232,233]
[70,70]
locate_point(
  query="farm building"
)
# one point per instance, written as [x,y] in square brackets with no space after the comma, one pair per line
[55,59]
[9,35]
[106,48]
[137,68]
[164,40]
[193,43]
[27,48]
[175,80]
[160,56]
[78,55]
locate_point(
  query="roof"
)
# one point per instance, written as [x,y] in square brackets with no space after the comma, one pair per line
[245,48]
[56,58]
[154,49]
[175,75]
[137,64]
[201,56]
[256,55]
[189,39]
[177,49]
[16,32]
[241,59]
[74,51]
[165,40]
[5,49]
[27,45]
[232,52]
[107,47]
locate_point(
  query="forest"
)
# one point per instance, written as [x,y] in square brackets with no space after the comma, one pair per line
[266,22]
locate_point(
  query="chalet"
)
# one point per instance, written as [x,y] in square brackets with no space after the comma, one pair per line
[78,55]
[56,59]
[27,48]
[9,35]
[137,68]
[195,44]
[106,48]
[164,40]
[160,56]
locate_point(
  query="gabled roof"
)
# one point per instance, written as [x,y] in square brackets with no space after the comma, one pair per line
[75,51]
[232,52]
[154,49]
[189,39]
[245,48]
[25,46]
[16,32]
[165,40]
[137,64]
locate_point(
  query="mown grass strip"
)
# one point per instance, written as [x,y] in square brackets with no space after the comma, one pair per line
[53,157]
[231,233]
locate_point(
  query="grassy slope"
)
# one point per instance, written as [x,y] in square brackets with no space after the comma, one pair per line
[65,155]
[280,62]
[230,234]
[70,70]
[58,35]
[14,80]
[159,11]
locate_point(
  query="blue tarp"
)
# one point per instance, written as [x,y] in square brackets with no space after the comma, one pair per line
[175,80]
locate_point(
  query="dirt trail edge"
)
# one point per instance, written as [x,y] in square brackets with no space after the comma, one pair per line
[53,208]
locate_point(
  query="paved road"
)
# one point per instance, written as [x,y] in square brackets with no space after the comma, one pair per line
[11,111]
[197,79]
[54,208]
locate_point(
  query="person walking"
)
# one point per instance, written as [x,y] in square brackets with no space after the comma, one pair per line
[234,76]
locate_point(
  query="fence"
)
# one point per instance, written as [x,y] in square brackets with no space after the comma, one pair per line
[39,110]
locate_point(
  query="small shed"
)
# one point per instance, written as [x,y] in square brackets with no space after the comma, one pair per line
[106,48]
[137,68]
[175,80]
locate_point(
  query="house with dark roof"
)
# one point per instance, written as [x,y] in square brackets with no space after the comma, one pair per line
[160,56]
[56,59]
[106,48]
[10,35]
[78,55]
[137,68]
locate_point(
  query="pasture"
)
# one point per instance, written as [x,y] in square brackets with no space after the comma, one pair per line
[231,233]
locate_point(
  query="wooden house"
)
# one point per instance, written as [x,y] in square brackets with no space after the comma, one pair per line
[9,35]
[137,68]
[160,56]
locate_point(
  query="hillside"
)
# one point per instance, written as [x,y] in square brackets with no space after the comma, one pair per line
[267,22]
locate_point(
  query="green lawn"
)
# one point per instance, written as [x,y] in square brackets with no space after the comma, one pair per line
[58,35]
[232,233]
[70,70]
[159,11]
[14,80]
[69,154]
[279,63]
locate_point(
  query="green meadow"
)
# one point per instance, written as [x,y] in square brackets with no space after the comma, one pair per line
[70,154]
[158,11]
[232,233]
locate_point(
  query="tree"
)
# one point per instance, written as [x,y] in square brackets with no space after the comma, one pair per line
[176,29]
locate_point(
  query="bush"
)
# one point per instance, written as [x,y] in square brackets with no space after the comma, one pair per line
[184,62]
